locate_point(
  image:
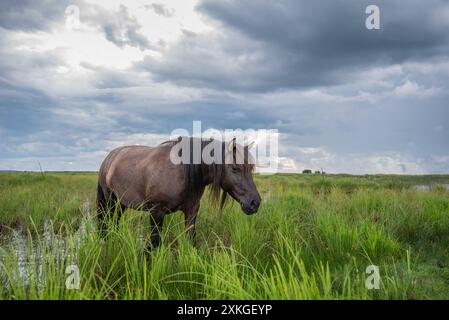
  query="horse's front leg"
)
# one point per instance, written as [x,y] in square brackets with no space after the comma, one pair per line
[156,223]
[190,214]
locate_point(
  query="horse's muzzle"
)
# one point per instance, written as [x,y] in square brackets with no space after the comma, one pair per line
[251,207]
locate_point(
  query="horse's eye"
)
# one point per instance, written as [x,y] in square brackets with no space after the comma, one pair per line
[235,169]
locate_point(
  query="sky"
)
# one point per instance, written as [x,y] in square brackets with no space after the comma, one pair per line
[343,98]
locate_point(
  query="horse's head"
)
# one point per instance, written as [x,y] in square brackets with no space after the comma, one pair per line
[238,178]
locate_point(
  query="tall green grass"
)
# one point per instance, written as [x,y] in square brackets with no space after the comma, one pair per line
[312,238]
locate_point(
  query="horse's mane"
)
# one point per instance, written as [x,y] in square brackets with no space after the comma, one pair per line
[195,174]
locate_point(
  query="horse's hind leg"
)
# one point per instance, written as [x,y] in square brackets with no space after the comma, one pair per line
[156,223]
[102,209]
[190,214]
[107,205]
[116,208]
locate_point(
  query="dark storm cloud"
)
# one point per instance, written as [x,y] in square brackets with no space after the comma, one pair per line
[21,112]
[119,27]
[123,29]
[288,44]
[342,97]
[30,15]
[161,9]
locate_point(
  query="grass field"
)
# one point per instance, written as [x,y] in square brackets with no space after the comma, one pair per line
[313,238]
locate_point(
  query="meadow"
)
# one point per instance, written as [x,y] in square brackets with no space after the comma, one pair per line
[313,238]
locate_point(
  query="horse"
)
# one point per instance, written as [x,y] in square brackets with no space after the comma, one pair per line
[146,178]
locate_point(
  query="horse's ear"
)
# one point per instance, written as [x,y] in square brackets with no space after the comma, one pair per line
[250,145]
[231,145]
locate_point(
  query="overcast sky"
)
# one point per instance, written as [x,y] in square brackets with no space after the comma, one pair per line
[344,98]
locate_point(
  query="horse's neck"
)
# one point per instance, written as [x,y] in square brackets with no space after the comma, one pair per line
[208,177]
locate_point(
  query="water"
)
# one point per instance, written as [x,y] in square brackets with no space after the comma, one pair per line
[429,187]
[32,258]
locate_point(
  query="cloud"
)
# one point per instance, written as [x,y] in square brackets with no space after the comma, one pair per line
[304,44]
[161,9]
[385,163]
[118,25]
[123,29]
[410,88]
[29,15]
[342,97]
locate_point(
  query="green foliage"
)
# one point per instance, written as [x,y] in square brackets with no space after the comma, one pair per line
[312,238]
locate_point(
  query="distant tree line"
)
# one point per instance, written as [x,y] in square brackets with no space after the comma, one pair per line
[309,171]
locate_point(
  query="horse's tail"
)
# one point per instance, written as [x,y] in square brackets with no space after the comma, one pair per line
[101,199]
[101,210]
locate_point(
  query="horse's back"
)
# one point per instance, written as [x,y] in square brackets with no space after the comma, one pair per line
[140,174]
[122,157]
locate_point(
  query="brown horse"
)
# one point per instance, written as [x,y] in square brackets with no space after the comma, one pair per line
[146,178]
